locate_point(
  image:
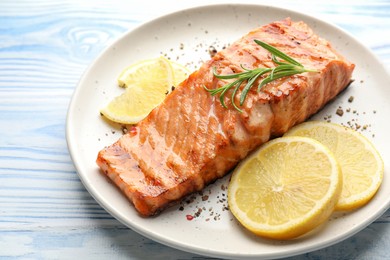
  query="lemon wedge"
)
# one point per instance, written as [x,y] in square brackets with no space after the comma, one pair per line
[286,188]
[361,164]
[146,85]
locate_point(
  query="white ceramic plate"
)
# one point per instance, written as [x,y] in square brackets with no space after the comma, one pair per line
[186,36]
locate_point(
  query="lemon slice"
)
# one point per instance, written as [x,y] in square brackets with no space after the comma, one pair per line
[128,76]
[286,188]
[361,165]
[146,71]
[147,84]
[180,72]
[133,105]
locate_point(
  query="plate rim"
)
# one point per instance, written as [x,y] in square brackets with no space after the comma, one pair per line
[155,236]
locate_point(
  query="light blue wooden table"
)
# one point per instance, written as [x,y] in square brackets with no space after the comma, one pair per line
[45,46]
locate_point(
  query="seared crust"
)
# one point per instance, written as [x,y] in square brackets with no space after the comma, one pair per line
[190,140]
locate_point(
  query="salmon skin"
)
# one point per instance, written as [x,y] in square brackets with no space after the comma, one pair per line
[190,140]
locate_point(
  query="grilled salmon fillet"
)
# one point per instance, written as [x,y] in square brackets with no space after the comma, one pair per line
[190,140]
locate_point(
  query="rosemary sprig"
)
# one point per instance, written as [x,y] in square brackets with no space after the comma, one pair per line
[287,67]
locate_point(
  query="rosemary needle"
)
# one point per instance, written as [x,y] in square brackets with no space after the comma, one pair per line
[287,67]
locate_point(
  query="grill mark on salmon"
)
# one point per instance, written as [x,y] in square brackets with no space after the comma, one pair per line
[190,140]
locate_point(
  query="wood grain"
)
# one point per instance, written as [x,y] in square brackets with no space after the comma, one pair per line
[45,46]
